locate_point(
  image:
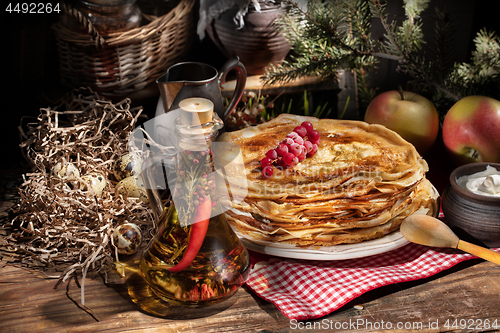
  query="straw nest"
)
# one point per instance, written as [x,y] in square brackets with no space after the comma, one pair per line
[58,226]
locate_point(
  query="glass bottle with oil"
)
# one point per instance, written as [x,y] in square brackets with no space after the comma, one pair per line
[195,259]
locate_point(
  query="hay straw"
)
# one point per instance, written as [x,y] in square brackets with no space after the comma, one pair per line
[57,225]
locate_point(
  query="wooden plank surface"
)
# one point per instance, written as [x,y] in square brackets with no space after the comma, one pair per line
[30,303]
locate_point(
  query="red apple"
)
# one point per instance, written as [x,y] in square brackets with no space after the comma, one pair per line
[412,116]
[471,130]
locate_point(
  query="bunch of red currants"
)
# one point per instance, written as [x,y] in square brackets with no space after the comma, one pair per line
[299,144]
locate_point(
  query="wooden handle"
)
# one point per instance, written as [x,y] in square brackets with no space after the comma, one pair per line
[479,251]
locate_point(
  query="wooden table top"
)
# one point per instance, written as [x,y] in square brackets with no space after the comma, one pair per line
[464,298]
[467,294]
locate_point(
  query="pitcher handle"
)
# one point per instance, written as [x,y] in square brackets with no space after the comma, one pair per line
[241,79]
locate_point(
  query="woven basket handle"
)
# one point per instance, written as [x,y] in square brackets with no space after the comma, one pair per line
[83,20]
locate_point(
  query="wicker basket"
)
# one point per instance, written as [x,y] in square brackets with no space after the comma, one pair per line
[121,63]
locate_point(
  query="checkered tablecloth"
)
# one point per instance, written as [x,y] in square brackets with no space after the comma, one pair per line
[304,289]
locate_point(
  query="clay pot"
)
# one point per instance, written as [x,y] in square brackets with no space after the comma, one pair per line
[471,215]
[257,44]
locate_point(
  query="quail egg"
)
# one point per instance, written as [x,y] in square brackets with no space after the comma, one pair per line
[66,171]
[132,186]
[127,238]
[126,166]
[93,182]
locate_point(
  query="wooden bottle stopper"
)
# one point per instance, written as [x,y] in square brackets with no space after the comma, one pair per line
[196,111]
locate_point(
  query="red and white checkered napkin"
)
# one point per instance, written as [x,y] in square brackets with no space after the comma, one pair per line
[311,289]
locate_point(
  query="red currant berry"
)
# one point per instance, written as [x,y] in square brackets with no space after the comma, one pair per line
[300,130]
[282,149]
[267,171]
[302,156]
[272,154]
[295,148]
[266,161]
[299,140]
[313,136]
[313,150]
[280,164]
[307,125]
[289,159]
[288,141]
[308,145]
[292,135]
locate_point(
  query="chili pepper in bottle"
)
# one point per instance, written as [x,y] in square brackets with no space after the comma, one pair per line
[196,235]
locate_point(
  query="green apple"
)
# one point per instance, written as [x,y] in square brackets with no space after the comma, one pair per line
[412,116]
[471,130]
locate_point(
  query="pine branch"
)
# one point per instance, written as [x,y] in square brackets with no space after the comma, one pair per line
[336,35]
[443,45]
[391,47]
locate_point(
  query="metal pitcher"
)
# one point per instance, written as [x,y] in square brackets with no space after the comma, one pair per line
[195,79]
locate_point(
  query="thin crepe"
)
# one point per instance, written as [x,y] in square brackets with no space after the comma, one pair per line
[360,185]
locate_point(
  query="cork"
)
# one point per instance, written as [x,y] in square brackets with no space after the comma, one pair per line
[196,111]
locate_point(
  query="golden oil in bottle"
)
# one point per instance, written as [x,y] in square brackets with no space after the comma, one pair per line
[218,270]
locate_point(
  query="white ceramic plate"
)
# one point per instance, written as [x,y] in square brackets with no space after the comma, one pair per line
[337,252]
[387,243]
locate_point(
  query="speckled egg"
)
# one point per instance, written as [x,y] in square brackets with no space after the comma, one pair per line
[93,182]
[132,187]
[126,166]
[127,238]
[67,171]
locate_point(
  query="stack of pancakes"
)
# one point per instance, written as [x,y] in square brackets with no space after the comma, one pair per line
[361,184]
